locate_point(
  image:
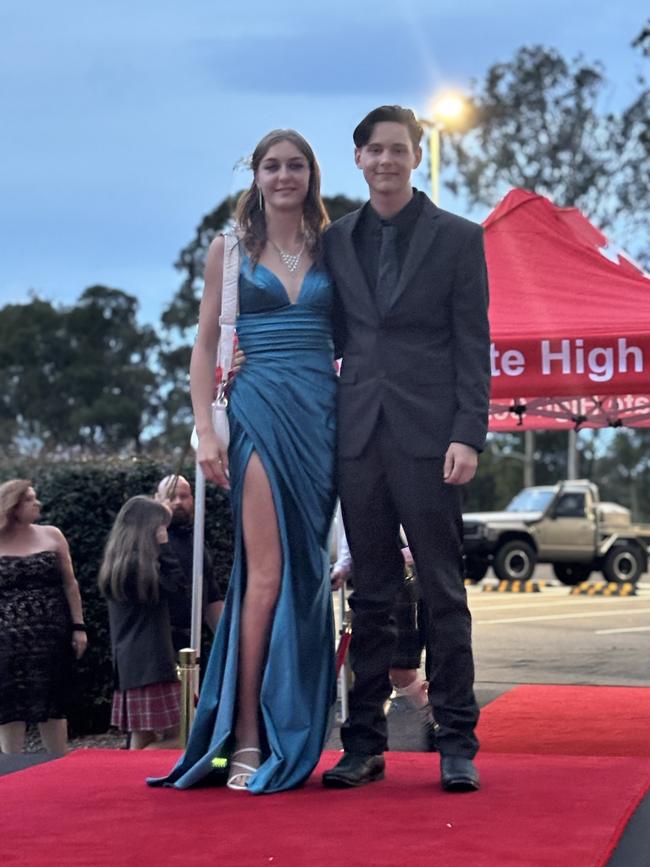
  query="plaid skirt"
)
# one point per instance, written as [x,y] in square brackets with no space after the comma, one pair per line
[155,707]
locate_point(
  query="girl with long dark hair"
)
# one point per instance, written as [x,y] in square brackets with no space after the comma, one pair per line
[138,572]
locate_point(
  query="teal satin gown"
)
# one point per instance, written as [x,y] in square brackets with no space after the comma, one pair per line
[282,406]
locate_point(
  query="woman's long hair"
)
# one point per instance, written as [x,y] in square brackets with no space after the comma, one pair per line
[130,565]
[250,217]
[11,496]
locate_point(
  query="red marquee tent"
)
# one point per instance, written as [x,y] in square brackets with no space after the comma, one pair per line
[570,321]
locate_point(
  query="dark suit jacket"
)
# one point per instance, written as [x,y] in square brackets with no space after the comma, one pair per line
[141,636]
[426,362]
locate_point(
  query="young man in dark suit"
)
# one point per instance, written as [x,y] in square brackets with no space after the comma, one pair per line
[412,296]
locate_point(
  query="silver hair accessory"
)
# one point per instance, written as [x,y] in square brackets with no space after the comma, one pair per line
[244,163]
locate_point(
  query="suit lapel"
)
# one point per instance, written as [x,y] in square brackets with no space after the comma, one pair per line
[424,234]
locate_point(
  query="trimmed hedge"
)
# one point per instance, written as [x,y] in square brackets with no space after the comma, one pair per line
[82,500]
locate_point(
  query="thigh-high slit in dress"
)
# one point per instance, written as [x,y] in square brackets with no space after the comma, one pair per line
[282,406]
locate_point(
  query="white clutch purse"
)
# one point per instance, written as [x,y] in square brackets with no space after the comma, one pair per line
[220,419]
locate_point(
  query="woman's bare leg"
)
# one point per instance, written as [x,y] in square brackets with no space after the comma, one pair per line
[263,573]
[54,734]
[12,737]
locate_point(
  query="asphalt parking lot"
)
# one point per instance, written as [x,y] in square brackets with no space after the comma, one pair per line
[554,637]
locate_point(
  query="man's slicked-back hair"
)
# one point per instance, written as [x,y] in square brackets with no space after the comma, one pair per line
[390,114]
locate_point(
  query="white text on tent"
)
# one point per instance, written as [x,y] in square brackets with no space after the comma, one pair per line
[599,363]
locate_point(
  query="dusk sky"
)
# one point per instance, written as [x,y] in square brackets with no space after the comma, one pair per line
[122,121]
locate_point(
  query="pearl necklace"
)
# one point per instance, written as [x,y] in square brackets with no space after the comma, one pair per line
[290,260]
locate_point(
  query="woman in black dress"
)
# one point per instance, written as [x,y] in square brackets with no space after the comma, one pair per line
[41,622]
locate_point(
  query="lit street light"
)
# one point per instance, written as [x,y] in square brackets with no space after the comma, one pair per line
[449,110]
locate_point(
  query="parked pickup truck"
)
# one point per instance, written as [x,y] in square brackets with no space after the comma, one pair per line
[564,524]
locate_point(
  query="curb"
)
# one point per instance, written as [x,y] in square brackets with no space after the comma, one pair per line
[601,588]
[514,587]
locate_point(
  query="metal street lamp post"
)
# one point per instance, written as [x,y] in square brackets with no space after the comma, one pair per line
[448,110]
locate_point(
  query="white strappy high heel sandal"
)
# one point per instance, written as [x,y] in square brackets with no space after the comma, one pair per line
[238,778]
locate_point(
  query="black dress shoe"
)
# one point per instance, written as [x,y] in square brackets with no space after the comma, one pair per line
[354,770]
[458,774]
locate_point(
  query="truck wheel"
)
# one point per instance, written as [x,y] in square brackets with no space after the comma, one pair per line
[475,569]
[515,561]
[572,573]
[623,563]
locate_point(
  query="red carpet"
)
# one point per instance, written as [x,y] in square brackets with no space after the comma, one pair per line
[568,720]
[92,809]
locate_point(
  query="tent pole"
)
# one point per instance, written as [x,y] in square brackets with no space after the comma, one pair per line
[197,560]
[529,458]
[572,455]
[189,665]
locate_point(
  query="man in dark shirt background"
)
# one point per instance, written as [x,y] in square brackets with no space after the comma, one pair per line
[176,493]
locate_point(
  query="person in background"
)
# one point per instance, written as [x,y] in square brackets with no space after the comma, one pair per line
[408,684]
[139,572]
[41,622]
[175,492]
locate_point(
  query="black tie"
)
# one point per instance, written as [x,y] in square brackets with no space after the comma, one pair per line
[388,271]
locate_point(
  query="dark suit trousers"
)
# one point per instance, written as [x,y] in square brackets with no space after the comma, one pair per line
[380,489]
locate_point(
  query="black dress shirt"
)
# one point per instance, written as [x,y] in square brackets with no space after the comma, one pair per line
[367,235]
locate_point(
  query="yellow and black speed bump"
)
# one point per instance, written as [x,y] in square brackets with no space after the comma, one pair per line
[601,588]
[514,587]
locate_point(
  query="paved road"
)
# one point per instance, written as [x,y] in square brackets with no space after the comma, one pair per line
[552,637]
[547,637]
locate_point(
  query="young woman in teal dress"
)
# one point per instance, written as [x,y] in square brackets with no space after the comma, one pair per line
[263,710]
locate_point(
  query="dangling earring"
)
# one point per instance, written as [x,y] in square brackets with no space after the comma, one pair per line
[260,199]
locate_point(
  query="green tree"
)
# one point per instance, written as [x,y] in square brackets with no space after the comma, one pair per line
[623,472]
[111,386]
[631,187]
[499,476]
[501,467]
[537,124]
[34,352]
[76,378]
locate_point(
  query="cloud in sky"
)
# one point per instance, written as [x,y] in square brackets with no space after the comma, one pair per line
[122,120]
[411,47]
